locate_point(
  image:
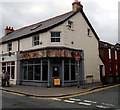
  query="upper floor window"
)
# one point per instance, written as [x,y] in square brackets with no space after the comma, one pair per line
[9,46]
[35,40]
[55,36]
[89,32]
[70,24]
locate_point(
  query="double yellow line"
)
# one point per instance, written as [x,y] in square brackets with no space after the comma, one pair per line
[96,90]
[92,91]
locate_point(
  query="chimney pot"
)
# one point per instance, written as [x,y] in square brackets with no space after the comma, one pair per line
[8,30]
[76,5]
[6,27]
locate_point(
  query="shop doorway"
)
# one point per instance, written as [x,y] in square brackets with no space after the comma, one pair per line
[56,75]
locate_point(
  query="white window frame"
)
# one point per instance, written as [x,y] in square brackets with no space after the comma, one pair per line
[56,37]
[35,41]
[9,46]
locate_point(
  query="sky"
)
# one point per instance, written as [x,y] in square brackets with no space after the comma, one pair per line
[102,14]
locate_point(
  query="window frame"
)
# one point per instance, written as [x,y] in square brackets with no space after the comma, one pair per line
[70,24]
[36,41]
[89,32]
[56,38]
[9,46]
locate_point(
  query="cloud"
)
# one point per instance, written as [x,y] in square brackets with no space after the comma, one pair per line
[103,14]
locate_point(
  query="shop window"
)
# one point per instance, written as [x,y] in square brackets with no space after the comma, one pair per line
[24,62]
[37,74]
[35,40]
[38,61]
[24,72]
[72,72]
[9,63]
[66,72]
[30,62]
[56,61]
[45,72]
[3,64]
[12,63]
[30,72]
[66,61]
[73,61]
[4,68]
[9,46]
[12,72]
[55,36]
[8,69]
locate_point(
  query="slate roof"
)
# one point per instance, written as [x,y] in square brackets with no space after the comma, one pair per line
[41,27]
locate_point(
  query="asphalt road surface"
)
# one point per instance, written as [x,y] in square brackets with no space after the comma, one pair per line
[103,98]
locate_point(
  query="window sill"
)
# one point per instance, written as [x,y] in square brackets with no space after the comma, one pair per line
[34,81]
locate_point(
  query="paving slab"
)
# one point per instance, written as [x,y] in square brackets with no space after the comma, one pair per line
[50,92]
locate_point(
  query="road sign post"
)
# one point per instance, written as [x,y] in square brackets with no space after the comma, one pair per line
[77,57]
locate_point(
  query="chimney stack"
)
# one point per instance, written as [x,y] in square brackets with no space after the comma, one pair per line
[8,30]
[76,5]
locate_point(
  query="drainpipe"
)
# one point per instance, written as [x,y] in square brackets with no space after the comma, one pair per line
[18,64]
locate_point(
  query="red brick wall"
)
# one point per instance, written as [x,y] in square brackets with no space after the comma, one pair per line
[106,62]
[118,62]
[113,63]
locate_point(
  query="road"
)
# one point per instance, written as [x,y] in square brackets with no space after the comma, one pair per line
[103,98]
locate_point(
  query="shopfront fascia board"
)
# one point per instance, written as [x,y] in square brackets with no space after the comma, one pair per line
[48,53]
[8,58]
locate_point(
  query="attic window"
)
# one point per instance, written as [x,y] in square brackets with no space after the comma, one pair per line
[89,32]
[70,24]
[36,27]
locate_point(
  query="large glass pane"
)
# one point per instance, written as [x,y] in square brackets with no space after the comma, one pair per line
[45,73]
[12,72]
[12,63]
[66,72]
[3,64]
[67,61]
[72,72]
[4,68]
[25,72]
[30,72]
[37,61]
[30,62]
[8,69]
[37,72]
[24,62]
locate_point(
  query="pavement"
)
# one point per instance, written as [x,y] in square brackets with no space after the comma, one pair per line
[51,92]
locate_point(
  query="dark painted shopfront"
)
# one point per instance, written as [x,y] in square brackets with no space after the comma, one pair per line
[45,66]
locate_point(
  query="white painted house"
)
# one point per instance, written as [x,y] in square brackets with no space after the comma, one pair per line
[41,53]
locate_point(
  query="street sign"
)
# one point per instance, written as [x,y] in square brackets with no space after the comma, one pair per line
[77,56]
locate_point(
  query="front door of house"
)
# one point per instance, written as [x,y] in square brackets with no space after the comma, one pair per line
[56,75]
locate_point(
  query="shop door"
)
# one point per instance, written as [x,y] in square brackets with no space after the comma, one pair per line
[56,75]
